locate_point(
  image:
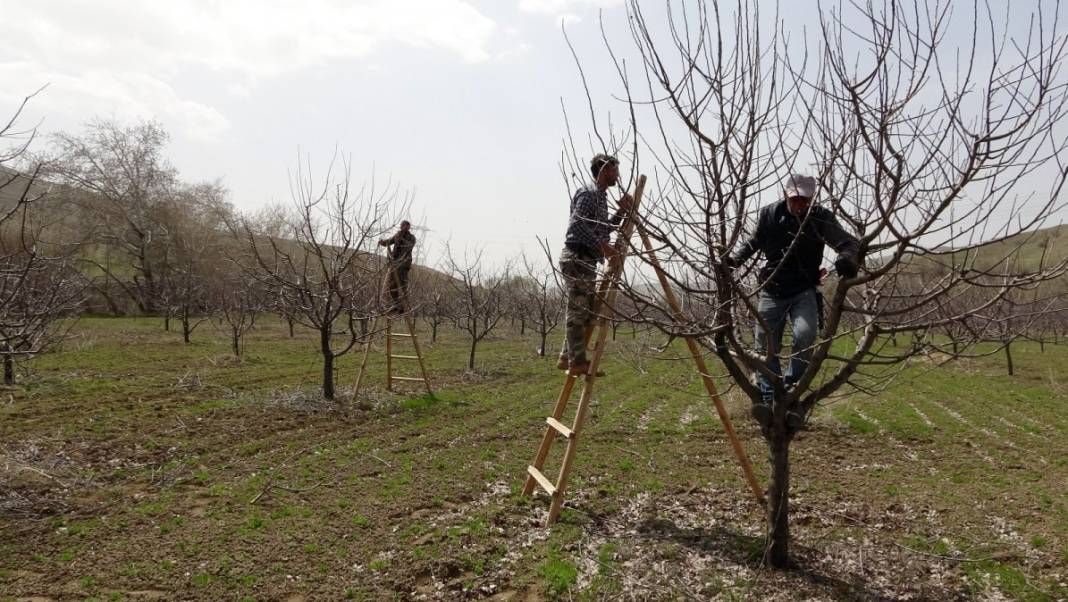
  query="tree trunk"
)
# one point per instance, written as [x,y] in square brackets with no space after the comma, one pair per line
[776,546]
[328,363]
[289,321]
[434,331]
[9,369]
[167,323]
[522,326]
[235,341]
[471,357]
[363,328]
[186,331]
[544,335]
[1008,356]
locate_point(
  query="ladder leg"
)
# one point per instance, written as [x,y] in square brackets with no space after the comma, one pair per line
[550,434]
[363,363]
[389,355]
[418,351]
[702,369]
[605,296]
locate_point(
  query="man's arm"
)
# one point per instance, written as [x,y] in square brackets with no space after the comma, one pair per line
[844,243]
[625,203]
[753,243]
[385,242]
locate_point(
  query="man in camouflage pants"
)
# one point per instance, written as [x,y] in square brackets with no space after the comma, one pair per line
[585,246]
[400,264]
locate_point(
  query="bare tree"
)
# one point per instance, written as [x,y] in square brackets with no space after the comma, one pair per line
[39,286]
[434,300]
[123,182]
[237,299]
[927,152]
[197,248]
[324,267]
[479,302]
[544,299]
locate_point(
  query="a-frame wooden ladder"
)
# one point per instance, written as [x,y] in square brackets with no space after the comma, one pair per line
[606,294]
[390,336]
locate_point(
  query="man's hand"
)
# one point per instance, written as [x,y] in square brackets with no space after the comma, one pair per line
[728,262]
[846,267]
[625,203]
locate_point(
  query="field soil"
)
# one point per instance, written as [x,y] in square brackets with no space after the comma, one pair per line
[136,467]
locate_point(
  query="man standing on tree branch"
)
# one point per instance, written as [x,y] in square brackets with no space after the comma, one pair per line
[586,245]
[400,263]
[791,234]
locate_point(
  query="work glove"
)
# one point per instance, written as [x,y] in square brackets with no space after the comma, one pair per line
[846,267]
[729,262]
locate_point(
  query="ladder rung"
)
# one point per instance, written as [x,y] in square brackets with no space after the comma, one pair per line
[405,357]
[401,334]
[540,478]
[559,426]
[408,378]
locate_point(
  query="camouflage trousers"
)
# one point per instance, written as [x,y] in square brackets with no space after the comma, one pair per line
[397,293]
[580,290]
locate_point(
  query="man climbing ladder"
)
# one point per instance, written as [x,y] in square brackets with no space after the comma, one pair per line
[596,306]
[585,246]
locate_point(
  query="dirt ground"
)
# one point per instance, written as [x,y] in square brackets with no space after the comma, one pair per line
[135,467]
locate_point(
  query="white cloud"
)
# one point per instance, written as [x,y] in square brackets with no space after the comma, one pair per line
[127,95]
[560,8]
[258,38]
[125,57]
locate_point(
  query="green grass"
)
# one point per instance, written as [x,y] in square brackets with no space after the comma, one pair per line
[167,446]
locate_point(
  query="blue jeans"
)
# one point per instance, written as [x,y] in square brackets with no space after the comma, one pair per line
[802,311]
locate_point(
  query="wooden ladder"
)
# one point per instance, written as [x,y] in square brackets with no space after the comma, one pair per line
[606,293]
[390,356]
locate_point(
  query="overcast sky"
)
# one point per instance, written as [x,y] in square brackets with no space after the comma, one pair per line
[459,101]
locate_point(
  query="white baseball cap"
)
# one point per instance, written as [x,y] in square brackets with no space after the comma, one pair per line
[799,185]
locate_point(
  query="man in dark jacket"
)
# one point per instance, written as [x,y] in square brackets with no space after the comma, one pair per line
[792,234]
[586,245]
[400,263]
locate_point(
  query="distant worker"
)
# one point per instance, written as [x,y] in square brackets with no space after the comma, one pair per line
[400,264]
[585,246]
[791,234]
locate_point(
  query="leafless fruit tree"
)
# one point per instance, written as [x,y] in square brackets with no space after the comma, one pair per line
[933,132]
[325,266]
[544,301]
[479,299]
[40,289]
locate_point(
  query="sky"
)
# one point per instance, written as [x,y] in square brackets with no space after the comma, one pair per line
[459,101]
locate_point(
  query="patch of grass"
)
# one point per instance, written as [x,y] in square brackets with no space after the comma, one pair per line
[987,575]
[560,574]
[854,421]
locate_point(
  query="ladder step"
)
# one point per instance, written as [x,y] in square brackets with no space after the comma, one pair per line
[540,478]
[401,334]
[408,378]
[559,426]
[405,357]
